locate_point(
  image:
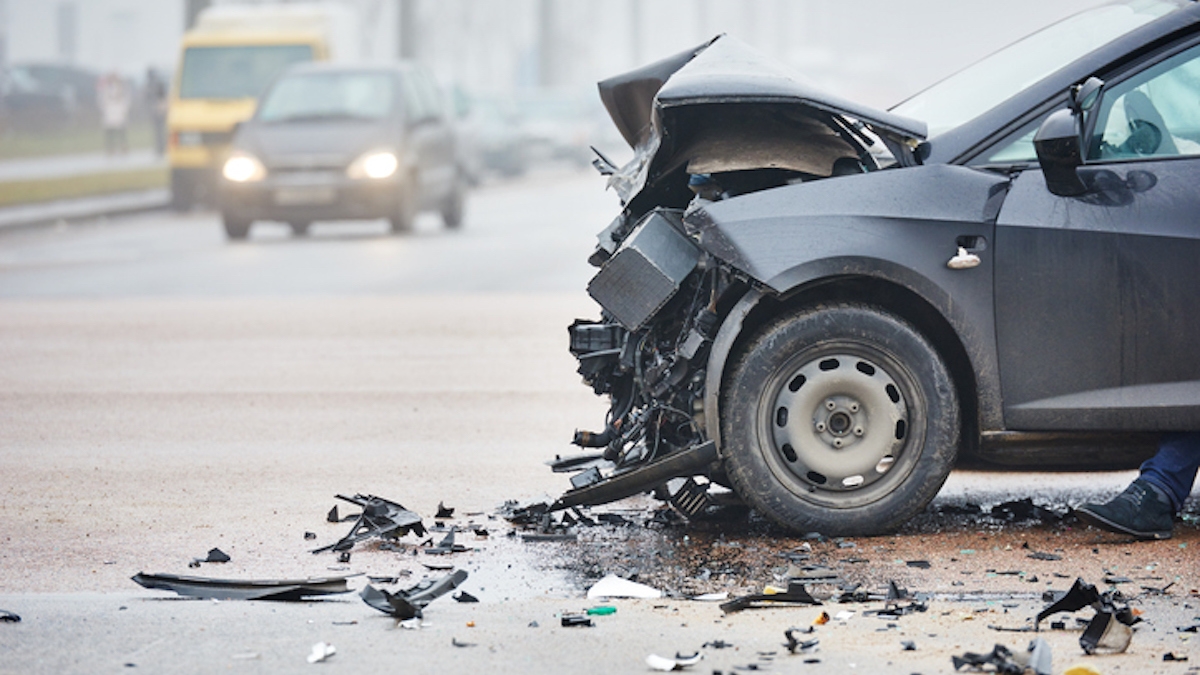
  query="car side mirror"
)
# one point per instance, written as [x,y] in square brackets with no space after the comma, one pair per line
[1059,145]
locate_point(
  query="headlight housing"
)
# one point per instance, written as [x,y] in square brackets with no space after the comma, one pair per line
[375,165]
[243,168]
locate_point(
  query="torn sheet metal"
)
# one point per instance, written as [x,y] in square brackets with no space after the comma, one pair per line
[797,594]
[379,518]
[254,589]
[408,604]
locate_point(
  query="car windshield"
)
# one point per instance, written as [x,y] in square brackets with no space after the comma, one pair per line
[973,91]
[312,96]
[236,72]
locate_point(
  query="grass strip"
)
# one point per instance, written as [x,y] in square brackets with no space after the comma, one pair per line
[87,185]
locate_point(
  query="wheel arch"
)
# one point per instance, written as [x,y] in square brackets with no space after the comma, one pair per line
[757,307]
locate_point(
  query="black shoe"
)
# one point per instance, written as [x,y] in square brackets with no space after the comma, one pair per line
[1140,511]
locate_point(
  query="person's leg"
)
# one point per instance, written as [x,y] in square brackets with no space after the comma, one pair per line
[1173,468]
[1147,508]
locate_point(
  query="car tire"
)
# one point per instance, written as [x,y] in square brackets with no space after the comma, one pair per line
[455,205]
[235,228]
[300,227]
[404,213]
[840,419]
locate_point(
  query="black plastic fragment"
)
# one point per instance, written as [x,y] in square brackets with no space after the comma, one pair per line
[908,645]
[999,658]
[230,589]
[407,604]
[576,621]
[1041,555]
[797,593]
[1023,510]
[443,512]
[795,645]
[379,518]
[456,643]
[919,564]
[463,596]
[310,535]
[8,617]
[1170,656]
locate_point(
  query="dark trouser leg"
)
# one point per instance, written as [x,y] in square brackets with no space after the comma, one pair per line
[1173,468]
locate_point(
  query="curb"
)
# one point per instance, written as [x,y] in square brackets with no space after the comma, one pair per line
[83,208]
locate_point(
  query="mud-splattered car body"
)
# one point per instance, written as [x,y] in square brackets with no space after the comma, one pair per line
[807,301]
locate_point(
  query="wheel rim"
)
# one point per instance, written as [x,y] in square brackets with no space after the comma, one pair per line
[839,425]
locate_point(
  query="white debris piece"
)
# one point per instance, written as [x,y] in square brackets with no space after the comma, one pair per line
[712,597]
[321,651]
[663,664]
[613,586]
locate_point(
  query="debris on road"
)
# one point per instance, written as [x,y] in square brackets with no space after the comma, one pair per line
[379,518]
[613,586]
[8,617]
[1036,659]
[797,646]
[321,651]
[255,589]
[443,512]
[576,621]
[1109,630]
[664,664]
[215,555]
[408,604]
[446,546]
[797,593]
[463,596]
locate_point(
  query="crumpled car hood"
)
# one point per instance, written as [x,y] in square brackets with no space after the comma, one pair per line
[657,109]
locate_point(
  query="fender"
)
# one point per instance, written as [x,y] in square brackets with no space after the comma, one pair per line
[896,226]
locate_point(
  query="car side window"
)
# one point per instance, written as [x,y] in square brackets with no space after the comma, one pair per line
[1154,113]
[1016,148]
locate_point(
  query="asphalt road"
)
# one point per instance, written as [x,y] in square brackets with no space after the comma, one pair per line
[163,392]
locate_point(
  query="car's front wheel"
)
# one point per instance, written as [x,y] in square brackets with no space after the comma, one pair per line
[840,419]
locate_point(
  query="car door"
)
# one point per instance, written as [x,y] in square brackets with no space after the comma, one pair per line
[1097,308]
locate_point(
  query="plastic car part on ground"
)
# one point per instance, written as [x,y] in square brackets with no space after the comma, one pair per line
[613,586]
[321,651]
[254,589]
[379,518]
[664,664]
[797,593]
[1109,629]
[9,617]
[215,555]
[408,604]
[1036,659]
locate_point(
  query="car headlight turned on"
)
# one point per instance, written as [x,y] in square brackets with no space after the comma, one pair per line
[243,168]
[375,165]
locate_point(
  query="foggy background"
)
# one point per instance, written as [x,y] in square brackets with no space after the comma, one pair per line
[874,51]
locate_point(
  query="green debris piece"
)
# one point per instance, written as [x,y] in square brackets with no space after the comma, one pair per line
[603,610]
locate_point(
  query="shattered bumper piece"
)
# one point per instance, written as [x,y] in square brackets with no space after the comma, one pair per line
[688,462]
[232,589]
[379,518]
[1109,630]
[408,604]
[797,594]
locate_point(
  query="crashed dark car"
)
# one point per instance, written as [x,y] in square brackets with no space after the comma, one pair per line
[826,307]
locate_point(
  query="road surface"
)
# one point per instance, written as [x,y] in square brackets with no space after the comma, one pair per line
[164,392]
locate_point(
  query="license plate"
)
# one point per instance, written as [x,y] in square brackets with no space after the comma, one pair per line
[298,196]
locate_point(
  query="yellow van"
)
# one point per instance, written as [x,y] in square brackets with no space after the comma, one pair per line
[226,61]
